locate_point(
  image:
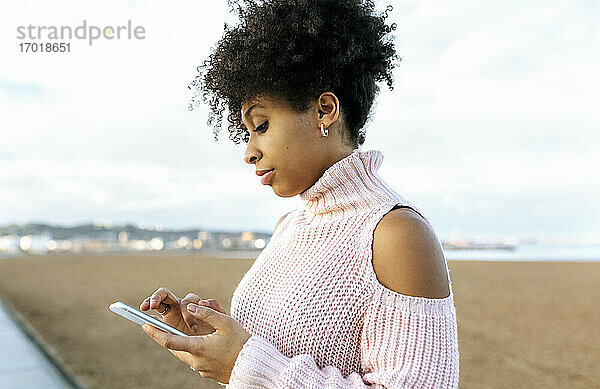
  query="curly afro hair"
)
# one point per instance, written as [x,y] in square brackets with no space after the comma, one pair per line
[295,50]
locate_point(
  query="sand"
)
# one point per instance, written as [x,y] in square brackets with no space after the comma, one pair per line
[520,324]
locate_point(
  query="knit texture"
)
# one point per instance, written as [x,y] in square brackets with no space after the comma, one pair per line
[318,316]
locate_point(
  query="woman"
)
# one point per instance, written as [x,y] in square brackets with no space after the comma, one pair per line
[353,289]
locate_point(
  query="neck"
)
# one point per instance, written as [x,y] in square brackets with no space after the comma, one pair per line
[349,186]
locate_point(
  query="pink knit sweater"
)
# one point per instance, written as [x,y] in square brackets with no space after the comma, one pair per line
[317,314]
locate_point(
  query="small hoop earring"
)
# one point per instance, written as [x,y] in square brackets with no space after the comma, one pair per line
[325,132]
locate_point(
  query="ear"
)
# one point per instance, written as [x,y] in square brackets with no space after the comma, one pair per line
[328,108]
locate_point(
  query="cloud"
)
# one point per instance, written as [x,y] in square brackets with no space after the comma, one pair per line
[15,90]
[491,126]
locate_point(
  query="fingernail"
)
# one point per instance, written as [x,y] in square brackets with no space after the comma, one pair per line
[195,327]
[203,302]
[192,307]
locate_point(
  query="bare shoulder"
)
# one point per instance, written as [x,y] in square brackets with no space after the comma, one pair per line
[280,220]
[408,257]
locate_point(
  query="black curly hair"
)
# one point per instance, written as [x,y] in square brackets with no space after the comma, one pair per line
[295,50]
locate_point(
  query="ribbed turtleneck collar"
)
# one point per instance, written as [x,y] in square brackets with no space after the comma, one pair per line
[349,186]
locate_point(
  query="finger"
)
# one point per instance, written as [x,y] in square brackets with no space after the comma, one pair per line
[215,319]
[199,365]
[190,320]
[162,294]
[163,309]
[214,304]
[183,356]
[145,305]
[170,341]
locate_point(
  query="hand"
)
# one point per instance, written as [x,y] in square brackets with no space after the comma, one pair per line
[214,355]
[174,312]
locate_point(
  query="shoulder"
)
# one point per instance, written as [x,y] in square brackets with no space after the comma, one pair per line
[280,220]
[408,257]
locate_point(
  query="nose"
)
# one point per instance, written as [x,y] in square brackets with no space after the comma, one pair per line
[252,155]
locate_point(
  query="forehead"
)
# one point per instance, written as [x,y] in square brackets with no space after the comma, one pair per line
[264,102]
[247,110]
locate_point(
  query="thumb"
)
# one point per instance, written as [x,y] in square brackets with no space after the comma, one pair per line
[215,319]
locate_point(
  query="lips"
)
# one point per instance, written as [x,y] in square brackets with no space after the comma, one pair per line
[261,172]
[266,177]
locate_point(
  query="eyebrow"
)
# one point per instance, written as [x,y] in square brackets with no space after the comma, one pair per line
[257,105]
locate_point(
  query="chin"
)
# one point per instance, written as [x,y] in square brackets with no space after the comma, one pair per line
[281,192]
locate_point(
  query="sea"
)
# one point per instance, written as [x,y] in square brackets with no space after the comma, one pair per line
[532,252]
[521,252]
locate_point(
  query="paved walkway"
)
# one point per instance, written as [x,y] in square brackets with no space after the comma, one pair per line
[22,364]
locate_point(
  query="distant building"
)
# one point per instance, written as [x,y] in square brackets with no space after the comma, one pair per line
[35,244]
[9,244]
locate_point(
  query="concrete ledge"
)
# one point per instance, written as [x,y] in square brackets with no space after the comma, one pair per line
[41,345]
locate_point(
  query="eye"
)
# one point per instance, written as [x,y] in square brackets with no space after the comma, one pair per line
[263,127]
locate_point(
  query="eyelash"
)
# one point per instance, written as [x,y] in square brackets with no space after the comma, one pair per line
[265,128]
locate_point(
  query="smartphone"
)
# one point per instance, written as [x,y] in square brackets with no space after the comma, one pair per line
[141,318]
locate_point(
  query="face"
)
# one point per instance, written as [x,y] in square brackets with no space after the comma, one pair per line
[291,143]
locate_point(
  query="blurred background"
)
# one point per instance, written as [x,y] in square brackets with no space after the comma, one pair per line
[106,175]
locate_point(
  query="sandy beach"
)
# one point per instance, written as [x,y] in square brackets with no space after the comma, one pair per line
[521,324]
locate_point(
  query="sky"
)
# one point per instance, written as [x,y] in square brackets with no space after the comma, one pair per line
[491,129]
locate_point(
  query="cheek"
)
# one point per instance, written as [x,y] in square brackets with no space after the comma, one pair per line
[300,138]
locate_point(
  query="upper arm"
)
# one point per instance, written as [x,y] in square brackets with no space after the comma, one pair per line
[408,257]
[280,220]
